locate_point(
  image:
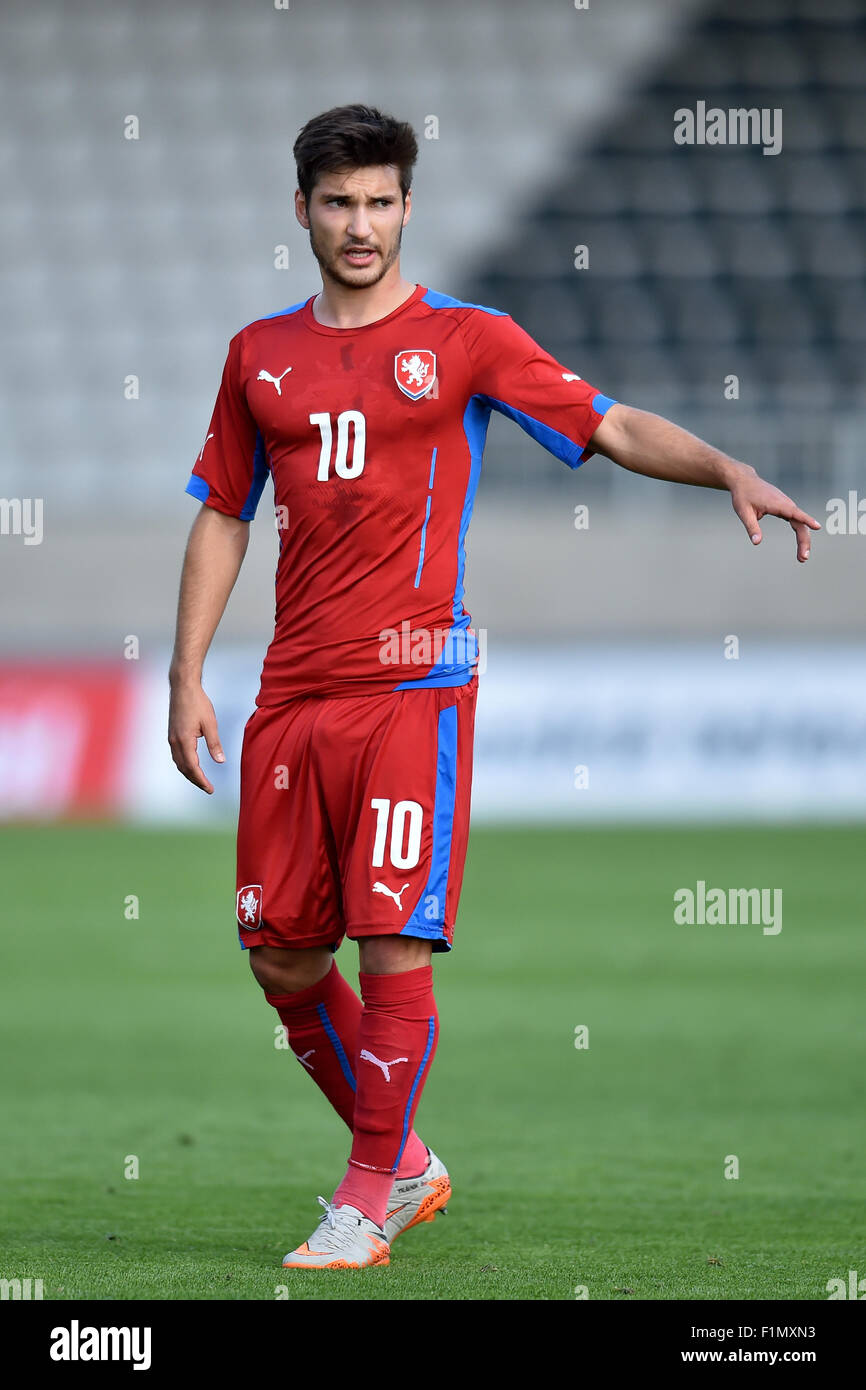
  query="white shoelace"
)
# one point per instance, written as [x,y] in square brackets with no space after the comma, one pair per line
[329,1216]
[333,1237]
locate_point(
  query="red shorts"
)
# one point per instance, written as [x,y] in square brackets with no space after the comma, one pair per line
[354,817]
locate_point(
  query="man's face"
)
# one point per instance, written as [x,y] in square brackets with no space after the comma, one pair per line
[355,219]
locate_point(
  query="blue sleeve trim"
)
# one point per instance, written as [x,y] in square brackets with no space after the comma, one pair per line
[601,405]
[197,487]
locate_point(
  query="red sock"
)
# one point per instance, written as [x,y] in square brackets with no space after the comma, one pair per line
[322,1025]
[399,1030]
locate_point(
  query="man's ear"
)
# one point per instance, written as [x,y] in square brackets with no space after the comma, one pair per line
[301,209]
[407,207]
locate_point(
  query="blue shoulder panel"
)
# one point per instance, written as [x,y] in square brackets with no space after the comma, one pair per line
[292,309]
[447,301]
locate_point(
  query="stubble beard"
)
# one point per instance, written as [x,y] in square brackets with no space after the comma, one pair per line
[332,268]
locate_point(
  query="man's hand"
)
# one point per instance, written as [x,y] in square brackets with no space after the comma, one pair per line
[191,716]
[649,444]
[214,554]
[753,498]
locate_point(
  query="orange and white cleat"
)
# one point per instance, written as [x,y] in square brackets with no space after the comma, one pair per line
[414,1200]
[344,1239]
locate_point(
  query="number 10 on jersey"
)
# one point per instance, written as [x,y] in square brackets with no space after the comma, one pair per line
[345,465]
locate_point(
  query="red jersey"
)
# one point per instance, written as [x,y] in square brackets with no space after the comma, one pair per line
[374,437]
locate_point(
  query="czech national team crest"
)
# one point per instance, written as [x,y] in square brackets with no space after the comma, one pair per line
[250,906]
[415,372]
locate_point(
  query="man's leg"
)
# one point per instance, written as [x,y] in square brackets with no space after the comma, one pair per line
[393,776]
[400,832]
[322,1016]
[399,1030]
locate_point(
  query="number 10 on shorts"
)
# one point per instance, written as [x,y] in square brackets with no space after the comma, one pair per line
[405,822]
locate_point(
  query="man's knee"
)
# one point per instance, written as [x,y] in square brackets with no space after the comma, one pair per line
[281,970]
[390,955]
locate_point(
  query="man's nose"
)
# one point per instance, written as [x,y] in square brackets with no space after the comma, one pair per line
[359,226]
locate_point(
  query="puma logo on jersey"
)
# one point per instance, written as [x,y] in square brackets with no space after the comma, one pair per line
[210,436]
[570,376]
[303,1060]
[276,381]
[383,888]
[385,1067]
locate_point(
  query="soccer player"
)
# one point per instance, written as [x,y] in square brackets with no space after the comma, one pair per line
[368,405]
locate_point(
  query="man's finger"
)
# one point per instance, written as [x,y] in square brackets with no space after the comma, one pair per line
[193,773]
[185,755]
[212,739]
[749,517]
[804,540]
[794,514]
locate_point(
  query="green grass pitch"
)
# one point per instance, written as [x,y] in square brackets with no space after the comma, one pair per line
[599,1168]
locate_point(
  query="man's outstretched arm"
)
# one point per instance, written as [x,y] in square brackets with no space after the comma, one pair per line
[214,555]
[649,444]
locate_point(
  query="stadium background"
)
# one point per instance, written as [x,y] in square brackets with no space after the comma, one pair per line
[543,128]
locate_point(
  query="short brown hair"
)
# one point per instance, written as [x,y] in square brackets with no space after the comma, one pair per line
[354,137]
